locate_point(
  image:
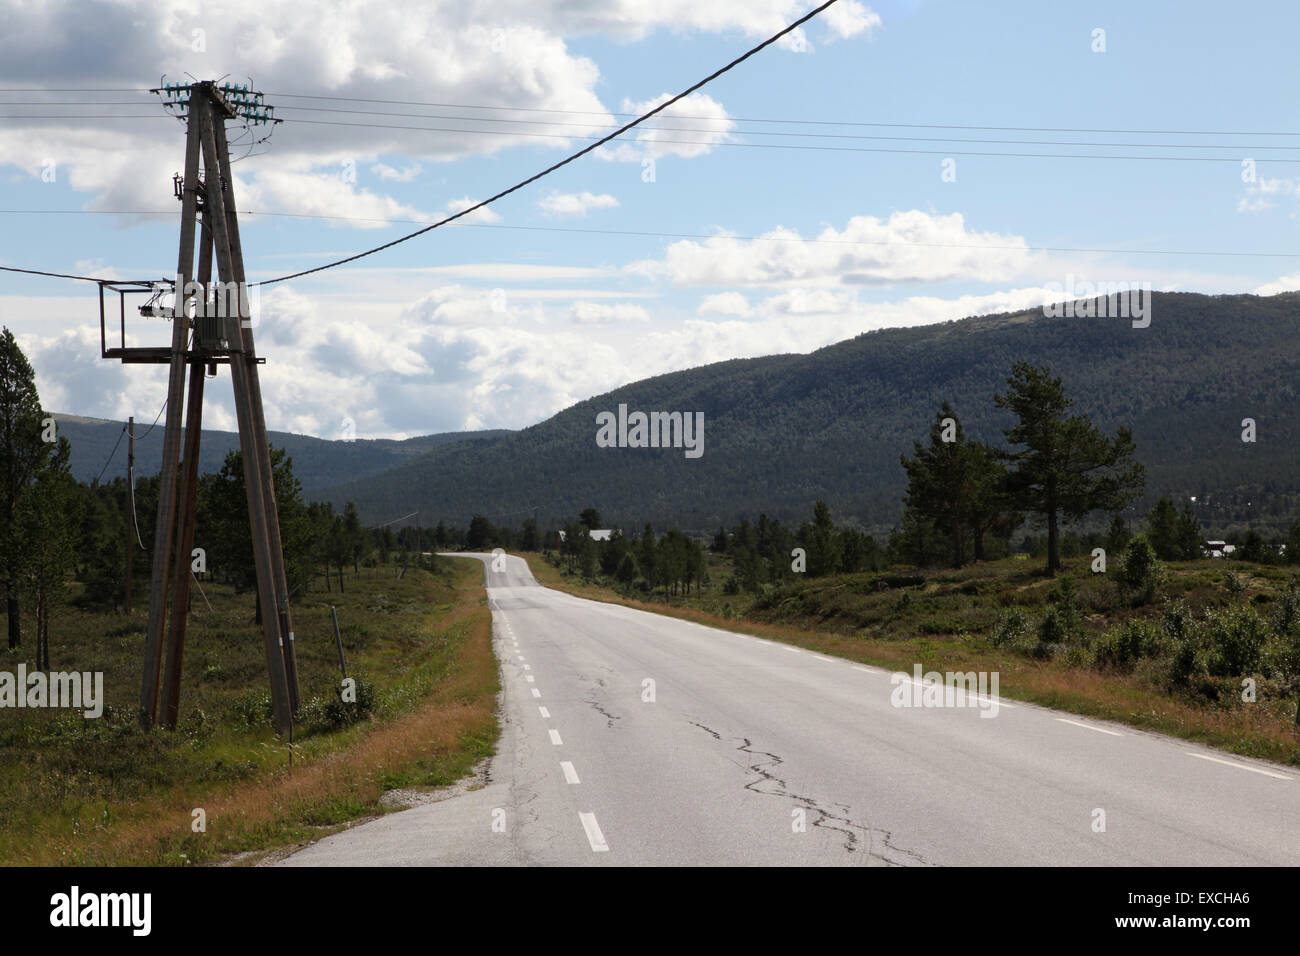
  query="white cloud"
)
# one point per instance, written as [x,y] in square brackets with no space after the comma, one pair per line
[481,216]
[726,303]
[849,18]
[575,204]
[1288,283]
[908,247]
[403,175]
[600,313]
[689,128]
[1255,201]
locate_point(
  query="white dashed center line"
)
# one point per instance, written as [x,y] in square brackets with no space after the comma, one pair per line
[555,737]
[594,836]
[546,714]
[1100,730]
[536,692]
[530,678]
[570,775]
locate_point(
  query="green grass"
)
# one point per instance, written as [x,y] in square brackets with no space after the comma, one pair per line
[101,791]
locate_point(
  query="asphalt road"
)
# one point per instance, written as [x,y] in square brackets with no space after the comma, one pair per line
[750,752]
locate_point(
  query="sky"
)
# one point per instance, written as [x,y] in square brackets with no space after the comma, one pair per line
[892,164]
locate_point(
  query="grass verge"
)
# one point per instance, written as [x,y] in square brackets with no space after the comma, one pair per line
[101,792]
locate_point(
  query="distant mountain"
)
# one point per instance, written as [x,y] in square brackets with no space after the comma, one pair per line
[785,430]
[318,463]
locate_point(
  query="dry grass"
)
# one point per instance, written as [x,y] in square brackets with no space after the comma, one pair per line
[335,780]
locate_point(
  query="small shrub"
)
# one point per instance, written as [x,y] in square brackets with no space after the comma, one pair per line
[1122,646]
[1233,584]
[1012,630]
[1236,637]
[1140,573]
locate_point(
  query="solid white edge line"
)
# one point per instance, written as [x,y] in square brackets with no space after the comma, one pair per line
[592,829]
[1100,730]
[787,647]
[1240,766]
[570,775]
[555,737]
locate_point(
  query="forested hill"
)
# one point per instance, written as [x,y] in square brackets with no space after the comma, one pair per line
[317,463]
[783,431]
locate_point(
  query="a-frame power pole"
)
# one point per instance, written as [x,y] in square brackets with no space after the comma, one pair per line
[221,333]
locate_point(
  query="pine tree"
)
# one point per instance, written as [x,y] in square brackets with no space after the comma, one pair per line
[22,454]
[1065,468]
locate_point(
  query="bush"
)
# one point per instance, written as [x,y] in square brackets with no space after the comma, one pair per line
[1060,625]
[1177,622]
[1012,630]
[1236,637]
[1233,583]
[1140,573]
[1286,616]
[1184,662]
[1122,646]
[333,712]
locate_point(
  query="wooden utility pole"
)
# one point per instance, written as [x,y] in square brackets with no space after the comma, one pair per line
[130,505]
[221,335]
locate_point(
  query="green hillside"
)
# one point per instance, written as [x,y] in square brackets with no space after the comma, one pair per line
[783,431]
[317,463]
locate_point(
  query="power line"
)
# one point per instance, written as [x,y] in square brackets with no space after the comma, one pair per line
[751,119]
[569,159]
[647,234]
[111,454]
[707,142]
[599,141]
[736,119]
[53,275]
[750,132]
[155,423]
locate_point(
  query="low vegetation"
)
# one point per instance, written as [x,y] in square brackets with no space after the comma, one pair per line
[75,790]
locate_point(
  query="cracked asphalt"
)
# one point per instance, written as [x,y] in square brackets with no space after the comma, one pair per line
[631,738]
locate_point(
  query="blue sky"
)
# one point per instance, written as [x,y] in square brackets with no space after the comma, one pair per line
[493,325]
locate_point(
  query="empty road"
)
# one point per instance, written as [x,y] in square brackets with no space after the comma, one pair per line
[631,738]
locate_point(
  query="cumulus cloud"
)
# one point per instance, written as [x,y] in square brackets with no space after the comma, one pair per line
[1288,283]
[575,204]
[481,216]
[910,246]
[600,313]
[725,303]
[689,128]
[391,173]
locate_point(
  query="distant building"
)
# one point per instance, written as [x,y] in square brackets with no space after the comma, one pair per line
[1219,549]
[601,534]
